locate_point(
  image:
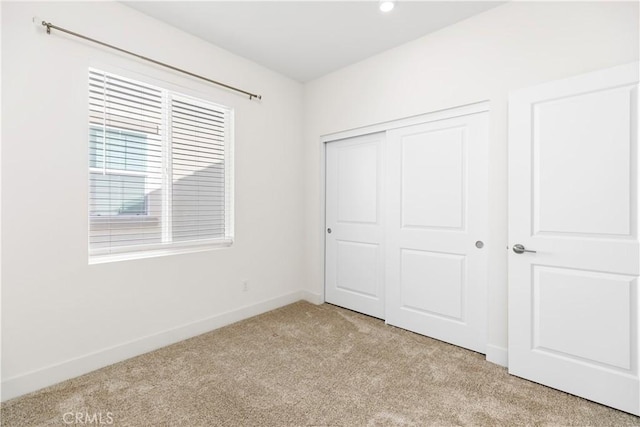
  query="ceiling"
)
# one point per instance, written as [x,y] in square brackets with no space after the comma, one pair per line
[308,39]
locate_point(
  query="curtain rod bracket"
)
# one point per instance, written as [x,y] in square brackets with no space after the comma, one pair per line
[49,26]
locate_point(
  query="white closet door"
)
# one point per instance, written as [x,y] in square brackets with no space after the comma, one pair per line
[436,275]
[354,234]
[573,303]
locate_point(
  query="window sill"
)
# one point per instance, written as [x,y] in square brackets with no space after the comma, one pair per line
[159,252]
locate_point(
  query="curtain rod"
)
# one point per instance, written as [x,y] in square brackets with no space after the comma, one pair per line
[50,26]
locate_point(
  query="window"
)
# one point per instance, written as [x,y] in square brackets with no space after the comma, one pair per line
[159,169]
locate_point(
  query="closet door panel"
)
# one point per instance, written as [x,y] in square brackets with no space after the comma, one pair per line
[354,273]
[436,211]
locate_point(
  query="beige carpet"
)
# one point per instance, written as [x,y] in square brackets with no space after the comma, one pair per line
[306,365]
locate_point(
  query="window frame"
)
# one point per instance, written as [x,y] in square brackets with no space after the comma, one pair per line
[167,246]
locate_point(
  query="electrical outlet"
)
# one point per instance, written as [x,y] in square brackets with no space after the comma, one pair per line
[245,286]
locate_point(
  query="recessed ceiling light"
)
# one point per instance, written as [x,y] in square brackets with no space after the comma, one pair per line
[387,5]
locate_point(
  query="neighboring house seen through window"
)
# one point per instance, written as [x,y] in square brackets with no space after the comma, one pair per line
[119,185]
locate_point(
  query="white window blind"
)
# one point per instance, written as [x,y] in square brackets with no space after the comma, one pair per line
[159,169]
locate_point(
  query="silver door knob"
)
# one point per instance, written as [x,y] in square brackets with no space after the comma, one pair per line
[519,249]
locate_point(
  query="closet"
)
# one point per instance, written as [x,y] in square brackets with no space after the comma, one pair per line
[406,222]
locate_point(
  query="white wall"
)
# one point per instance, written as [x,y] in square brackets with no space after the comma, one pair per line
[482,58]
[62,317]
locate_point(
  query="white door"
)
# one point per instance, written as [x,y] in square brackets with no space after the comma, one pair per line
[354,233]
[573,199]
[436,223]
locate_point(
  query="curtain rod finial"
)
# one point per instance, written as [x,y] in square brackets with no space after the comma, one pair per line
[38,21]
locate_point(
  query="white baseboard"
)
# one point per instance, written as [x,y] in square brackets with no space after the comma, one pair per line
[35,380]
[497,355]
[311,297]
